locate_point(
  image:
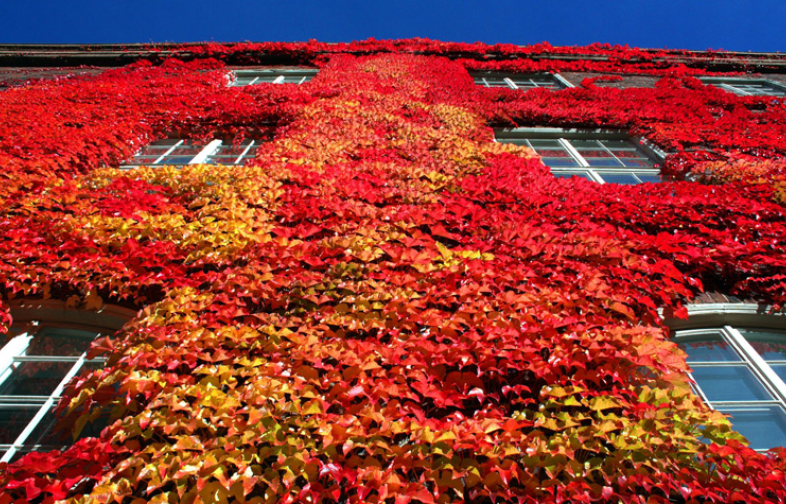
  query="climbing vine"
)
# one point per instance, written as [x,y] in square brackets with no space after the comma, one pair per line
[386,305]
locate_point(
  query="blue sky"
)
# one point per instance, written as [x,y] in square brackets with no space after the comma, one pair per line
[685,24]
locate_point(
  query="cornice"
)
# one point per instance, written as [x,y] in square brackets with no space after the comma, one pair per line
[113,55]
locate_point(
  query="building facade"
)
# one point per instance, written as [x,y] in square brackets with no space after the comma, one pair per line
[391,271]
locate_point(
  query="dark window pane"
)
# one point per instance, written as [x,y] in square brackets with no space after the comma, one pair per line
[730,383]
[34,378]
[64,342]
[45,434]
[91,365]
[48,434]
[13,421]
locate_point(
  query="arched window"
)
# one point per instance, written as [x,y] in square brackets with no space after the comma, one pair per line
[49,349]
[737,354]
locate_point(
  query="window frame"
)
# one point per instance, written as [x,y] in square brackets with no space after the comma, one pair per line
[593,173]
[279,75]
[508,77]
[32,318]
[710,321]
[201,157]
[730,84]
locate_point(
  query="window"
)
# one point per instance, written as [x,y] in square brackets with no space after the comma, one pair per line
[172,151]
[520,81]
[740,371]
[748,87]
[738,359]
[35,367]
[272,76]
[601,156]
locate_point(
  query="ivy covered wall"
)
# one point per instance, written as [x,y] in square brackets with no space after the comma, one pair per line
[387,305]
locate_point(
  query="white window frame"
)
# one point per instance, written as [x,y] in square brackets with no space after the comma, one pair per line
[509,78]
[279,76]
[35,317]
[726,320]
[593,173]
[210,148]
[732,85]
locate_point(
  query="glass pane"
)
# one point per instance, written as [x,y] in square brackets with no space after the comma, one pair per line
[164,143]
[228,154]
[64,342]
[294,79]
[13,421]
[620,178]
[144,160]
[176,160]
[559,162]
[183,153]
[769,344]
[243,81]
[649,178]
[764,426]
[45,434]
[619,145]
[759,89]
[91,365]
[494,82]
[524,83]
[539,144]
[608,162]
[710,351]
[34,378]
[583,175]
[156,148]
[730,383]
[533,81]
[515,141]
[636,162]
[780,370]
[589,146]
